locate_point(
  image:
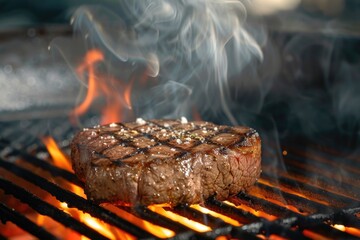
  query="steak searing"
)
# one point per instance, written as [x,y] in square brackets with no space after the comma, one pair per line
[165,161]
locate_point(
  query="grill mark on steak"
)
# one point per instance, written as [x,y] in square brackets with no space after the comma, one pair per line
[158,142]
[130,143]
[131,153]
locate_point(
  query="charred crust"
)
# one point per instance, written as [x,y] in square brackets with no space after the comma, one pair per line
[223,150]
[123,153]
[240,143]
[251,132]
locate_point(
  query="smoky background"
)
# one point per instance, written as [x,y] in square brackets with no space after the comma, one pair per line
[289,69]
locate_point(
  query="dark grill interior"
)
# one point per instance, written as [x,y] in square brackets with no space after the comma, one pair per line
[312,193]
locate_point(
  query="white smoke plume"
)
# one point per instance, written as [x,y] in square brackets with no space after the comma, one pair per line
[188,46]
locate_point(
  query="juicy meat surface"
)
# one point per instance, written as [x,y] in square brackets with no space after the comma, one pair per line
[165,161]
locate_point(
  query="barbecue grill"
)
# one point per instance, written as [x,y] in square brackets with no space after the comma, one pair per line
[306,198]
[309,187]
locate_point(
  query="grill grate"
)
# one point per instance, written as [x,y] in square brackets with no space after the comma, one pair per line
[302,198]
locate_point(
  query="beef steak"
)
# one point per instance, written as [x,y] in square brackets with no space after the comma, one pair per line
[165,161]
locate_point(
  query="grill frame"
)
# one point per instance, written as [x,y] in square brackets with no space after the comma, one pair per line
[21,140]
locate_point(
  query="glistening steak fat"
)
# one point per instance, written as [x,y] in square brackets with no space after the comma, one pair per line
[165,161]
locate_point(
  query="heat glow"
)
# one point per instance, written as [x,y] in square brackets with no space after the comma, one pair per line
[61,160]
[253,211]
[178,218]
[350,230]
[116,94]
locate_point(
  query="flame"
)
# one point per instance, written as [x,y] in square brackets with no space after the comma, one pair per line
[117,95]
[92,57]
[215,214]
[59,158]
[350,230]
[62,161]
[112,112]
[257,213]
[221,238]
[127,94]
[148,226]
[178,218]
[271,237]
[313,235]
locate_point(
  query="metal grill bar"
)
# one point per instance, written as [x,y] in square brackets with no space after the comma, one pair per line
[310,168]
[48,210]
[312,191]
[55,171]
[282,212]
[7,214]
[263,205]
[326,230]
[198,216]
[319,203]
[333,159]
[320,181]
[281,231]
[313,222]
[264,224]
[33,130]
[346,219]
[144,213]
[183,232]
[243,235]
[301,203]
[74,200]
[239,215]
[269,228]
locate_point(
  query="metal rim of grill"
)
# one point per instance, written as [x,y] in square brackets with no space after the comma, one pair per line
[308,180]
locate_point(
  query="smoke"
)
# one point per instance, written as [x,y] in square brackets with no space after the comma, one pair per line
[267,7]
[188,47]
[293,74]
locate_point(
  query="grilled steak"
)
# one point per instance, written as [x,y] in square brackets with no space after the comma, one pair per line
[165,161]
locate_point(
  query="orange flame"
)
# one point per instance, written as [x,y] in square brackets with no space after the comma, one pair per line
[178,218]
[257,213]
[350,230]
[271,237]
[215,214]
[127,94]
[117,96]
[314,235]
[62,161]
[59,158]
[91,58]
[148,226]
[112,112]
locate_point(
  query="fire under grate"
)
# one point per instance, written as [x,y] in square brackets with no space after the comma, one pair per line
[313,194]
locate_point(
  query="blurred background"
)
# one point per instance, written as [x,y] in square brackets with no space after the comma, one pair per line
[307,84]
